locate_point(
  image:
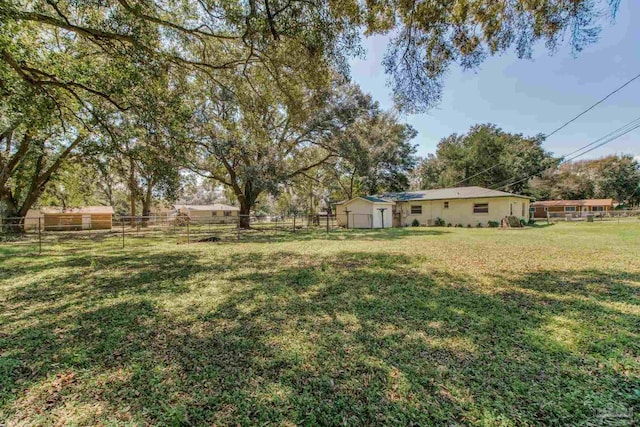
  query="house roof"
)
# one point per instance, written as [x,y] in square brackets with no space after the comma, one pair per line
[582,202]
[375,199]
[370,199]
[82,210]
[213,207]
[448,194]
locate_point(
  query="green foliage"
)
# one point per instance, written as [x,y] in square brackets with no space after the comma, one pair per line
[415,223]
[485,156]
[616,176]
[439,222]
[494,224]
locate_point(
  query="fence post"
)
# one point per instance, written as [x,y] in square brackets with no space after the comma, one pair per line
[294,223]
[39,236]
[238,226]
[122,222]
[327,222]
[188,234]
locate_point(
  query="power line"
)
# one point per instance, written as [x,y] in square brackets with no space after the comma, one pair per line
[611,136]
[593,106]
[562,126]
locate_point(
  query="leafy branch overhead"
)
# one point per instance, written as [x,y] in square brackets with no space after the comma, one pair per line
[69,45]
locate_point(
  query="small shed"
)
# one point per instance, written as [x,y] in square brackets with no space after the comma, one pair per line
[365,212]
[73,219]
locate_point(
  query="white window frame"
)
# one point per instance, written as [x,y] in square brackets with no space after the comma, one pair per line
[416,206]
[570,209]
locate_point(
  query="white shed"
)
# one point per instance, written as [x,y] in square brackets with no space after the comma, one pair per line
[365,212]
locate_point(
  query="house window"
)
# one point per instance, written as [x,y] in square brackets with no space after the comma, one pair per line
[446,205]
[480,208]
[227,213]
[416,210]
[569,208]
[597,208]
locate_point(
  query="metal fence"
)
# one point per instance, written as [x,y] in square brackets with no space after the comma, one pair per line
[20,236]
[592,215]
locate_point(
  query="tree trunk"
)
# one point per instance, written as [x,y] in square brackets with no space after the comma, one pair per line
[13,222]
[146,202]
[245,211]
[132,193]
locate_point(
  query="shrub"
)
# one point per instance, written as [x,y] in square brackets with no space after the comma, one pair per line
[523,222]
[531,221]
[494,224]
[415,223]
[439,222]
[479,225]
[468,225]
[459,225]
[449,225]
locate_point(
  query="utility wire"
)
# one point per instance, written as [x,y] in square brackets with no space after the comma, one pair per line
[567,123]
[611,136]
[566,158]
[593,106]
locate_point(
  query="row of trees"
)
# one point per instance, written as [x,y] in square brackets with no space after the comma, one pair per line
[128,94]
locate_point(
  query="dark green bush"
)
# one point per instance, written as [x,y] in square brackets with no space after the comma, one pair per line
[449,225]
[415,223]
[494,224]
[523,222]
[479,225]
[439,222]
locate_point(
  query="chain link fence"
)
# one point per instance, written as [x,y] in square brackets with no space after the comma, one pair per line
[26,236]
[613,215]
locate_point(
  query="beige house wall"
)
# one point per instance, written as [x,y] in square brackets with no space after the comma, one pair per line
[210,216]
[460,211]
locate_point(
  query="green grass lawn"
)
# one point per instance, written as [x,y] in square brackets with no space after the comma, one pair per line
[425,326]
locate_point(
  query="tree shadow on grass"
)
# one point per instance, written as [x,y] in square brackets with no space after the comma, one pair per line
[356,339]
[341,234]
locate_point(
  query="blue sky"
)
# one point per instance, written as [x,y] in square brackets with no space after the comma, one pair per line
[533,96]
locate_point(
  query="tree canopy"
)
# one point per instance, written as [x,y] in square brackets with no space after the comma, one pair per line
[485,156]
[616,176]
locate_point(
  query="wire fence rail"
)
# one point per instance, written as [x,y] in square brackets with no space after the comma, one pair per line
[613,215]
[20,236]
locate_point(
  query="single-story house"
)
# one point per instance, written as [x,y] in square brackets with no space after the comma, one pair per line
[459,205]
[73,219]
[575,208]
[215,213]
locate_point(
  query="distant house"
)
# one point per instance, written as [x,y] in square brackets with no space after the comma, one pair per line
[215,213]
[457,206]
[575,208]
[71,219]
